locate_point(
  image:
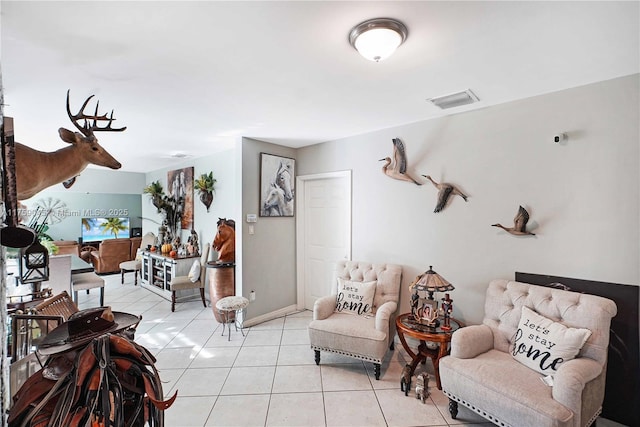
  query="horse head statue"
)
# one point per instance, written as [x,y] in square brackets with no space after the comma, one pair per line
[225,241]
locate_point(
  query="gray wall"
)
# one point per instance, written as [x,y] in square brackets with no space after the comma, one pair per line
[582,195]
[267,257]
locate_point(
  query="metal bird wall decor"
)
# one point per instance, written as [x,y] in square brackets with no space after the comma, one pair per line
[519,224]
[445,190]
[397,168]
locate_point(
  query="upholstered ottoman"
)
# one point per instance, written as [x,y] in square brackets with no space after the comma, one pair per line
[228,305]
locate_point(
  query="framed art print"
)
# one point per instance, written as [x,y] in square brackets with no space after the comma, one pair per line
[277,182]
[180,186]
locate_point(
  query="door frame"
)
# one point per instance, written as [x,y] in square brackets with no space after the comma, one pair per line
[301,222]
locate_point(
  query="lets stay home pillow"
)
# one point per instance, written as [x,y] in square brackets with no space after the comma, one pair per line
[542,344]
[355,297]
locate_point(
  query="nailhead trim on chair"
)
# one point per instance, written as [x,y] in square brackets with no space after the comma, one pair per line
[477,410]
[595,417]
[346,353]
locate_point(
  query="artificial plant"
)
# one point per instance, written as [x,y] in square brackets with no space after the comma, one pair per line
[205,186]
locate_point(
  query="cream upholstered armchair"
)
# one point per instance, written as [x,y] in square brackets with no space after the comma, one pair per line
[365,336]
[191,281]
[495,368]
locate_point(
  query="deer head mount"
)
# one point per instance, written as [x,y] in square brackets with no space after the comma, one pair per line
[37,170]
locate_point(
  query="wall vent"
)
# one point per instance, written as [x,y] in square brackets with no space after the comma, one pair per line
[455,99]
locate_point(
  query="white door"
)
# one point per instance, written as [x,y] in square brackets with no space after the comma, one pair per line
[323,230]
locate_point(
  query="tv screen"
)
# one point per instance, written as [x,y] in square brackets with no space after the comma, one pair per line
[96,229]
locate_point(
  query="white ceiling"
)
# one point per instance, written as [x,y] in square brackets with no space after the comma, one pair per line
[193,77]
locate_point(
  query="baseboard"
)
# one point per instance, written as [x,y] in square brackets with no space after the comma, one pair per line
[270,316]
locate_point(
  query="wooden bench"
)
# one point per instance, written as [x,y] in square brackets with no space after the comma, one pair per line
[60,305]
[30,328]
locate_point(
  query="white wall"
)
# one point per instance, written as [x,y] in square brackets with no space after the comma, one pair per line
[96,179]
[223,166]
[96,192]
[582,195]
[224,171]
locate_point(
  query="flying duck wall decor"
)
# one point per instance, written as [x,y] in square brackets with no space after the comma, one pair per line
[397,168]
[519,224]
[445,190]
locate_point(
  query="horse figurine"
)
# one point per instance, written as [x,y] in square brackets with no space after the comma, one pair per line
[225,241]
[276,203]
[422,386]
[405,379]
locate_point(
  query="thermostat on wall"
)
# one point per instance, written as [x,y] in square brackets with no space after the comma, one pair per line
[252,218]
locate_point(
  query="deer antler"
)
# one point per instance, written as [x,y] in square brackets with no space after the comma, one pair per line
[88,129]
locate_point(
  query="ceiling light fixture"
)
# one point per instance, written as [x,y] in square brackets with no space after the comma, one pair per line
[376,39]
[179,155]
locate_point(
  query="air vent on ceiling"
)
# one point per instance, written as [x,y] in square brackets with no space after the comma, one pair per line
[455,99]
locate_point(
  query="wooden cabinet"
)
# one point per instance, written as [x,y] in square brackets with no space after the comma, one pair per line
[158,270]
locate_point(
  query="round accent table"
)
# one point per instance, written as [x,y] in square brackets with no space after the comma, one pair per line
[407,327]
[235,305]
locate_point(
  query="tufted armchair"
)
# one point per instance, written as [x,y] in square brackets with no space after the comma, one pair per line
[482,374]
[360,336]
[180,283]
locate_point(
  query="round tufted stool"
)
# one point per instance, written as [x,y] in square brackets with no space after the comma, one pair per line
[134,266]
[233,304]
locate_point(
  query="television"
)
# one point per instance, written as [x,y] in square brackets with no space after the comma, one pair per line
[97,229]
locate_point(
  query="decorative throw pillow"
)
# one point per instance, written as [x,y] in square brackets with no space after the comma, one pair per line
[542,344]
[194,273]
[355,297]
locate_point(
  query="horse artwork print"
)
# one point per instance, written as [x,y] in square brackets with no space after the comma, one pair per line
[180,186]
[277,182]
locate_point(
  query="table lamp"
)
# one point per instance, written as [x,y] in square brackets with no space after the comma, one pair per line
[429,282]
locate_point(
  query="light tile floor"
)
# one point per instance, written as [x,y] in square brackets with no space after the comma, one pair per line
[268,377]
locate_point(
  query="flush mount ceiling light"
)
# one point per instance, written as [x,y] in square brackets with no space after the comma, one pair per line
[455,99]
[179,155]
[376,39]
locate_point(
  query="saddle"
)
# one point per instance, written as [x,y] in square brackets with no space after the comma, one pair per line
[110,382]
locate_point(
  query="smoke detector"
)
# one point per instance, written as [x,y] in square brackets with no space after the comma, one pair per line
[455,99]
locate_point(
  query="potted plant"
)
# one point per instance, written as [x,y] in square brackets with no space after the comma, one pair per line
[205,186]
[156,192]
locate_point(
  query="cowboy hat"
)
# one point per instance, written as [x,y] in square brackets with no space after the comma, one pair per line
[84,326]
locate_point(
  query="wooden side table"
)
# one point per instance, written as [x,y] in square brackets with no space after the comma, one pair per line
[406,327]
